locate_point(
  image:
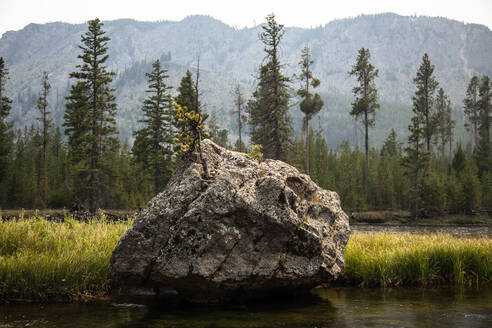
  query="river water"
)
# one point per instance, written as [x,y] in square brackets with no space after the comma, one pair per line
[328,307]
[475,230]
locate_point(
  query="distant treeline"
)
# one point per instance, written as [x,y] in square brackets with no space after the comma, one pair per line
[45,167]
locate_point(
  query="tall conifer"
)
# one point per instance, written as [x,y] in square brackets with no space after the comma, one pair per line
[366,101]
[416,161]
[417,157]
[483,151]
[186,92]
[76,123]
[46,124]
[472,108]
[5,134]
[268,110]
[444,122]
[423,100]
[91,100]
[153,144]
[391,146]
[310,104]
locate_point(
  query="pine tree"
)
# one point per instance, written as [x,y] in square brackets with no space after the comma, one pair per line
[46,124]
[127,180]
[5,134]
[218,135]
[472,108]
[487,190]
[423,100]
[471,196]
[454,193]
[366,101]
[25,179]
[91,100]
[268,110]
[434,194]
[459,160]
[255,118]
[416,160]
[75,121]
[417,157]
[350,177]
[186,92]
[385,182]
[322,172]
[241,117]
[297,154]
[222,138]
[444,122]
[59,174]
[311,104]
[391,146]
[449,129]
[190,139]
[153,143]
[483,151]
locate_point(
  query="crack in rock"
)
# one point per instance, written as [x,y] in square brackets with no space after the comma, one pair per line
[257,206]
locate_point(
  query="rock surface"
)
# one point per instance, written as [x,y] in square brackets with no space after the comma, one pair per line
[252,229]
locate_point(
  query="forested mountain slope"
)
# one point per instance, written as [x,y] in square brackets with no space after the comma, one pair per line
[229,56]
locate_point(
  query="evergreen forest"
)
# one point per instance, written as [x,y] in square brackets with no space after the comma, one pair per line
[82,161]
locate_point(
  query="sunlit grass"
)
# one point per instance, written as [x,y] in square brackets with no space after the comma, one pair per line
[45,260]
[40,259]
[389,259]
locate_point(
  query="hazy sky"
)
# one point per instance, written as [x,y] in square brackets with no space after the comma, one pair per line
[15,14]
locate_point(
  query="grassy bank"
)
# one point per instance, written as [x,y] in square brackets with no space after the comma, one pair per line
[388,259]
[44,260]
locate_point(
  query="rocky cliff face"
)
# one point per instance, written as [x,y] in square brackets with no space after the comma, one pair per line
[253,229]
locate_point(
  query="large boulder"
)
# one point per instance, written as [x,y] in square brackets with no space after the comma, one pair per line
[252,229]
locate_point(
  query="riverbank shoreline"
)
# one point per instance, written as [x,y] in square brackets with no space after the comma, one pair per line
[376,218]
[469,230]
[46,261]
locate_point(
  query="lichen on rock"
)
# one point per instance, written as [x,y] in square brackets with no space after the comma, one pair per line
[252,229]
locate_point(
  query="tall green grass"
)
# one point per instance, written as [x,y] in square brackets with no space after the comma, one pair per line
[389,259]
[47,260]
[43,260]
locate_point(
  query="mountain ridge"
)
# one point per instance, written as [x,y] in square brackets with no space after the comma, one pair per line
[229,55]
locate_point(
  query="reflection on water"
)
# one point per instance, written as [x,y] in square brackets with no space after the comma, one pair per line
[328,307]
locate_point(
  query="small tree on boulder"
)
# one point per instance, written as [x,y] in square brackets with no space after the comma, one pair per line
[190,138]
